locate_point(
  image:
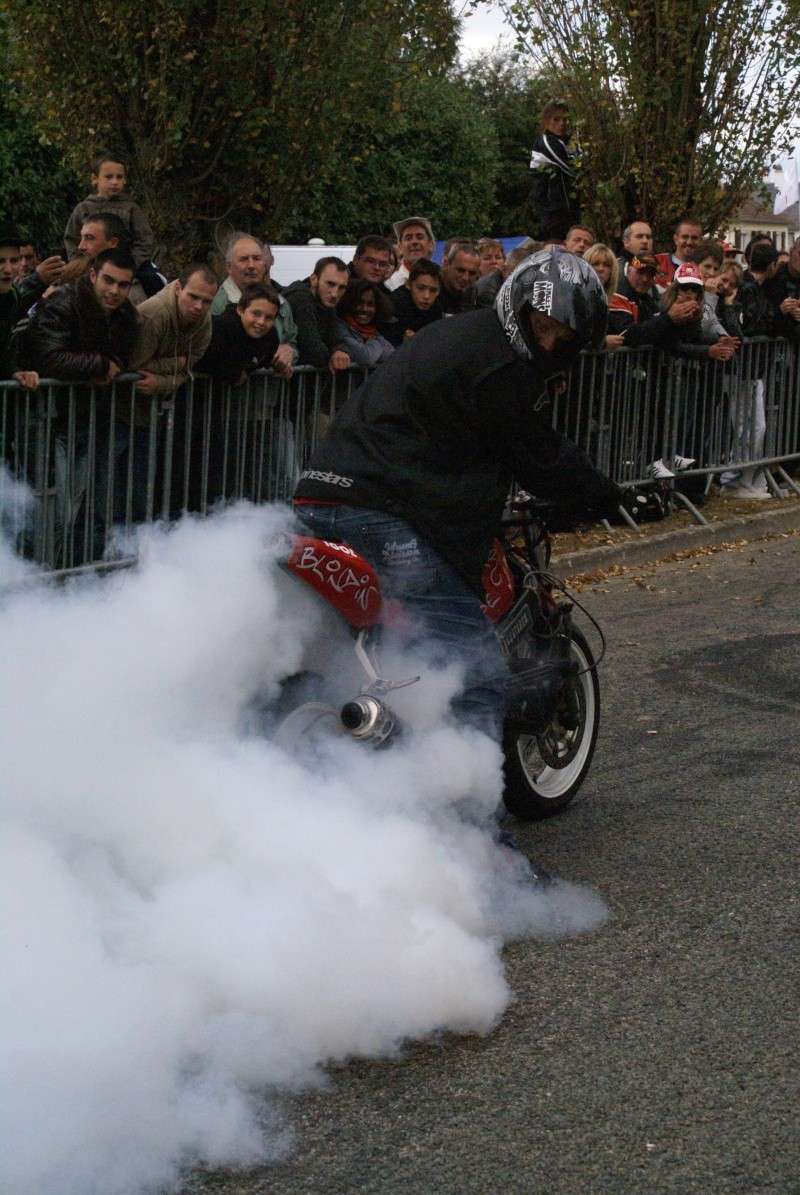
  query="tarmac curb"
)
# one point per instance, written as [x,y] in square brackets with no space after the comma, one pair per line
[647,549]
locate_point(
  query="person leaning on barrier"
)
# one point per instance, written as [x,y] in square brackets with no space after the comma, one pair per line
[709,258]
[250,260]
[635,307]
[698,339]
[416,304]
[243,337]
[313,301]
[363,310]
[729,309]
[758,313]
[174,331]
[373,261]
[783,292]
[11,310]
[86,330]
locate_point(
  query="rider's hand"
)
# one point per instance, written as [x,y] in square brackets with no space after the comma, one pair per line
[642,504]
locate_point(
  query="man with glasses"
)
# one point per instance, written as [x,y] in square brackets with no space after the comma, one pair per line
[373,261]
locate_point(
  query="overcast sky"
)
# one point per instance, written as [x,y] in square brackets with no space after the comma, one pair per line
[481,30]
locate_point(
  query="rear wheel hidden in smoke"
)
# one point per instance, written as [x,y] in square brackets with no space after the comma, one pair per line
[544,771]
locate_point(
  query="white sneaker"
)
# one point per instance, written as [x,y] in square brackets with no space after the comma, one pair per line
[659,471]
[683,462]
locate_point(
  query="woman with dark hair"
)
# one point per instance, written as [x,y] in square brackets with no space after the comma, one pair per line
[244,337]
[361,310]
[417,303]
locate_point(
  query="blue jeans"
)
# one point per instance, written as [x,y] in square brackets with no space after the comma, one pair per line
[446,612]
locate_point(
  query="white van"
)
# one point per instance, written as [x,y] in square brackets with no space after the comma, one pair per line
[297,261]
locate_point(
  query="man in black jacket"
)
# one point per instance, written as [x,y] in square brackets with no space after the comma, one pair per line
[313,302]
[783,292]
[85,332]
[554,192]
[416,468]
[16,296]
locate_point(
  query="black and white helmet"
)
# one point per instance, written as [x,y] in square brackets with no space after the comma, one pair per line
[561,285]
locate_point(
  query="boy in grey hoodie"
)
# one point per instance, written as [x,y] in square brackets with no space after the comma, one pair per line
[109,179]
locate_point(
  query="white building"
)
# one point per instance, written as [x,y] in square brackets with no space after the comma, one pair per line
[755,218]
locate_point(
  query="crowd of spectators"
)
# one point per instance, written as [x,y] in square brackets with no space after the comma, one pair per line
[102,307]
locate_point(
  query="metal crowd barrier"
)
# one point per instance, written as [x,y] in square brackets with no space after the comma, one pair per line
[98,460]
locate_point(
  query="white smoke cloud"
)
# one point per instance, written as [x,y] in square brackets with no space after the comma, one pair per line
[193,917]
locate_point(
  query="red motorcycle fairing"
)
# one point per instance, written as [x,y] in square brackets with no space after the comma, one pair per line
[498,584]
[340,575]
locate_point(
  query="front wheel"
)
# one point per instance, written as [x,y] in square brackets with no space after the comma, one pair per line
[544,772]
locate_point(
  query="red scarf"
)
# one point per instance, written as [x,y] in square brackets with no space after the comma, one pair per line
[365,331]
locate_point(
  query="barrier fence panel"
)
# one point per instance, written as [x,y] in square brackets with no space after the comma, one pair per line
[98,460]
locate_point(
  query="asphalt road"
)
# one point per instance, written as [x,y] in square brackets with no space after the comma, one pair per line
[660,1054]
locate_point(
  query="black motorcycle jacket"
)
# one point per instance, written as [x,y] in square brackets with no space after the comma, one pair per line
[439,431]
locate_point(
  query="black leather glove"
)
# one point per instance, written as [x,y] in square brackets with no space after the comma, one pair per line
[644,505]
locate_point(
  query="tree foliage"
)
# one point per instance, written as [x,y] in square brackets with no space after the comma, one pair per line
[34,185]
[510,97]
[681,105]
[422,146]
[216,108]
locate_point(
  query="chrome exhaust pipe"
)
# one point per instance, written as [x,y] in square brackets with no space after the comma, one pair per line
[370,721]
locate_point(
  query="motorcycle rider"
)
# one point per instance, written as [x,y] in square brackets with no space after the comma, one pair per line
[415,470]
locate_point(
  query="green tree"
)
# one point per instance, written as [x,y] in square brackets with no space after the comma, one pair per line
[216,108]
[681,105]
[34,185]
[511,98]
[421,146]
